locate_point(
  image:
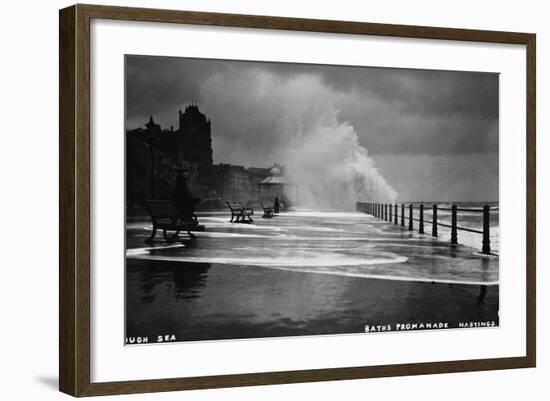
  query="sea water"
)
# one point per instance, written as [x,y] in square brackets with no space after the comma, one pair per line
[350,244]
[468,219]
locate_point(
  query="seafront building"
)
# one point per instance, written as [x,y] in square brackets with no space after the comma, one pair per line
[152,153]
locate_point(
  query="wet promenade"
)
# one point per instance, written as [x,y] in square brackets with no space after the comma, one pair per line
[302,273]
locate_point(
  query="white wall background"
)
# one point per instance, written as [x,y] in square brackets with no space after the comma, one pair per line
[29,185]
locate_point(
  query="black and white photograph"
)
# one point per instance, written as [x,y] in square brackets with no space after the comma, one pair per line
[275,200]
[270,199]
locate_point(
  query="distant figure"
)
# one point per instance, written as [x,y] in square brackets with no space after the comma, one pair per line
[183,198]
[276,206]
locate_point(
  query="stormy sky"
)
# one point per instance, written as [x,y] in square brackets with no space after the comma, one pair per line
[431,135]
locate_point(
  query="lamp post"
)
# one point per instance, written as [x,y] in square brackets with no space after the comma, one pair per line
[149,144]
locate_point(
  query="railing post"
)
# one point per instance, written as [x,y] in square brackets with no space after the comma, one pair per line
[391,216]
[486,249]
[454,240]
[385,212]
[434,221]
[378,210]
[421,223]
[395,214]
[402,215]
[410,217]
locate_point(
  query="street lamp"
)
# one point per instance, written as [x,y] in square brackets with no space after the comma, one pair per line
[149,144]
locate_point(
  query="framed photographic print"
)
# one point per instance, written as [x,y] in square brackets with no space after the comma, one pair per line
[250,200]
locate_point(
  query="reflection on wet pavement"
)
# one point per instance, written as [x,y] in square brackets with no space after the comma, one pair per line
[301,274]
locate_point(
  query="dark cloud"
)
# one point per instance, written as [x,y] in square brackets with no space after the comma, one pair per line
[449,178]
[160,85]
[427,122]
[393,110]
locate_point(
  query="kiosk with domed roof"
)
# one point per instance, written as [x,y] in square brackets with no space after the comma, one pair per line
[274,186]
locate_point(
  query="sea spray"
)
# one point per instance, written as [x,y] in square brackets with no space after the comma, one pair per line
[293,119]
[332,170]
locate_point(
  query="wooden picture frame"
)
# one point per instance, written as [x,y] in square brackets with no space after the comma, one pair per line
[74,203]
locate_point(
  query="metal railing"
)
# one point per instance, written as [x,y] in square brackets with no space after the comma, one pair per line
[384,211]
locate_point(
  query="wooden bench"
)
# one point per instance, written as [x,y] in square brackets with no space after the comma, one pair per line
[166,217]
[240,212]
[268,211]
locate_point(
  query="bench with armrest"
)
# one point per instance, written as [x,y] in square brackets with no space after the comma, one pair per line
[268,210]
[166,217]
[241,213]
